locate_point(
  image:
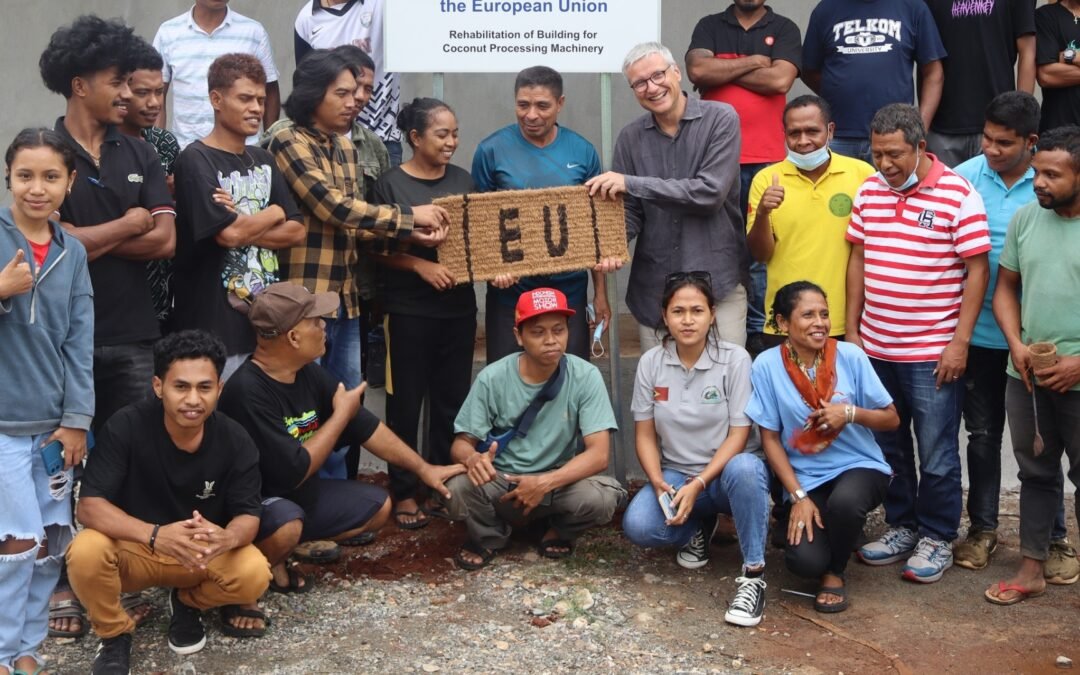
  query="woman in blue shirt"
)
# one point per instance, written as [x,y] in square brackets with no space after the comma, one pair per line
[817,402]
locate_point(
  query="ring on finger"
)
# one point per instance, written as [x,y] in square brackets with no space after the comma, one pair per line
[800,525]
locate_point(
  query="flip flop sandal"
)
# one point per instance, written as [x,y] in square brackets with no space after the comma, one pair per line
[132,601]
[294,582]
[831,607]
[549,548]
[230,612]
[486,556]
[414,525]
[433,509]
[37,670]
[1023,594]
[362,539]
[317,552]
[68,609]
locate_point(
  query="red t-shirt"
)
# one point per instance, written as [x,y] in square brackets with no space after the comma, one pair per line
[40,252]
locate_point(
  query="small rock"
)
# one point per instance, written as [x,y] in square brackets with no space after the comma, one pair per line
[531,556]
[1063,662]
[502,645]
[541,622]
[583,599]
[707,647]
[580,622]
[643,617]
[505,629]
[508,584]
[651,578]
[461,598]
[736,663]
[714,636]
[561,608]
[538,611]
[430,668]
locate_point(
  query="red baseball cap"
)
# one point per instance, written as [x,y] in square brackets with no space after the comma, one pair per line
[540,301]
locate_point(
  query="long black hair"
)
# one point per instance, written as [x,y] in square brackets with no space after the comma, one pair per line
[315,74]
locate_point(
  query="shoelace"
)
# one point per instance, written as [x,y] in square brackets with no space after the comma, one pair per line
[746,596]
[892,537]
[697,542]
[930,551]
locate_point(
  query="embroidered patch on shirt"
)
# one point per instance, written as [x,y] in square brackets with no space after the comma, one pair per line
[710,394]
[659,393]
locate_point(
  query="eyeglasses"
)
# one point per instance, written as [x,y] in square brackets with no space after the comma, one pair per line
[656,78]
[680,277]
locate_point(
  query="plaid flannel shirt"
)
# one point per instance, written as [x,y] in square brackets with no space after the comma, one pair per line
[324,173]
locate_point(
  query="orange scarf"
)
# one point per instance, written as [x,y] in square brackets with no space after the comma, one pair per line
[817,394]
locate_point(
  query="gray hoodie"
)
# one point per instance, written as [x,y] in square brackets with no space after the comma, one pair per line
[46,338]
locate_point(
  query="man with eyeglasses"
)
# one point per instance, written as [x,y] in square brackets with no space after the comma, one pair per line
[677,168]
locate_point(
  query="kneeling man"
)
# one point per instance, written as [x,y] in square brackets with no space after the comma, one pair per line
[532,409]
[299,414]
[170,498]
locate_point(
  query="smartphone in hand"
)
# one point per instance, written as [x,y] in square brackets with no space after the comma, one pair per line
[665,504]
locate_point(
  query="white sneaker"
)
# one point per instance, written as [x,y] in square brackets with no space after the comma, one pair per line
[893,546]
[749,603]
[931,559]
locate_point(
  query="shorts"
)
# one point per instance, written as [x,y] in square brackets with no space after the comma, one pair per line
[328,508]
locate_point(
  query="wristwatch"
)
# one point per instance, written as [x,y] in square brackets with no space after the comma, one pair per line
[1069,55]
[798,495]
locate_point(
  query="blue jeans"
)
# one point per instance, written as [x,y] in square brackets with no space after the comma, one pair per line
[859,148]
[930,500]
[393,148]
[29,510]
[742,490]
[755,305]
[342,357]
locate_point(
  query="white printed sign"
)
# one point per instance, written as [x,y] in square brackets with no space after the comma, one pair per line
[505,36]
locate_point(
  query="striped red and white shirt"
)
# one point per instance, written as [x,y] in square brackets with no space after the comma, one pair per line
[914,244]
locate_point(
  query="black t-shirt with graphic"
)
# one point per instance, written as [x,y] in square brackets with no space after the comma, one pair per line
[206,273]
[281,416]
[137,468]
[1057,30]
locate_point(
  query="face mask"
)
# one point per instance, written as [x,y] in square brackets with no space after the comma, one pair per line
[911,180]
[810,160]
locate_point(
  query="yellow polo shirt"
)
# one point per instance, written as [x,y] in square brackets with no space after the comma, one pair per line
[809,229]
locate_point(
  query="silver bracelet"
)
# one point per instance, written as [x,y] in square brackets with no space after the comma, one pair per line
[849,413]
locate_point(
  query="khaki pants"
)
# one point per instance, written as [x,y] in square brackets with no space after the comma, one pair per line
[571,510]
[100,568]
[730,321]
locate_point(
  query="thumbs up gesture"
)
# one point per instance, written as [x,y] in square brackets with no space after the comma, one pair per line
[15,278]
[773,197]
[481,466]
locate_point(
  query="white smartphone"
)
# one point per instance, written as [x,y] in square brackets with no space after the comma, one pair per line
[665,504]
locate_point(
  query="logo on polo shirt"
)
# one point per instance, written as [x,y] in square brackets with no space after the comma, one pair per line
[135,178]
[659,393]
[710,394]
[770,40]
[926,219]
[840,205]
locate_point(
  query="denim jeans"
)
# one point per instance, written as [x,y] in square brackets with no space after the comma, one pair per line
[393,148]
[342,357]
[35,507]
[984,419]
[930,500]
[755,306]
[1040,485]
[122,376]
[742,490]
[859,148]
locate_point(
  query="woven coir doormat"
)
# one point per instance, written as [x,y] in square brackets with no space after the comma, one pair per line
[529,232]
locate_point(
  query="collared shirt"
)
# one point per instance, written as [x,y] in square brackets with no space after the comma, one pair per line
[682,203]
[915,243]
[188,51]
[761,115]
[809,229]
[693,409]
[130,175]
[322,171]
[1001,204]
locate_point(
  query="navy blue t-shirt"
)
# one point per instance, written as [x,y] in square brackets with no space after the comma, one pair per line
[865,51]
[506,161]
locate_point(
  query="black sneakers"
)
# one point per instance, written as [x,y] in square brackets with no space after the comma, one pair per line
[186,633]
[749,603]
[113,656]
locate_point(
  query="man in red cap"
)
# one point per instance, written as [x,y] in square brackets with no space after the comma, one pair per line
[298,414]
[532,436]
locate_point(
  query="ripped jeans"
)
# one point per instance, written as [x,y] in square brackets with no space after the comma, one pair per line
[36,507]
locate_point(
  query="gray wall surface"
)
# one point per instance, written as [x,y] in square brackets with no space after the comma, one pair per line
[484,102]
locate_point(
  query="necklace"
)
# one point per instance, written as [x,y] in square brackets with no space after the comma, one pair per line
[246,160]
[809,371]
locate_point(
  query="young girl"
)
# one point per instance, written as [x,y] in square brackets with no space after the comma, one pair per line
[431,319]
[47,391]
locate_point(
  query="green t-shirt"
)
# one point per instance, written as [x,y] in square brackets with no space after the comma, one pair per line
[499,397]
[1041,246]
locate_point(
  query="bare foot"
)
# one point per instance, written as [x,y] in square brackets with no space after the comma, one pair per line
[1027,582]
[407,513]
[67,624]
[283,578]
[552,535]
[27,664]
[136,606]
[248,622]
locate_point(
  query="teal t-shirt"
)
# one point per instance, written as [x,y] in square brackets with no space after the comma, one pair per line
[499,397]
[1041,246]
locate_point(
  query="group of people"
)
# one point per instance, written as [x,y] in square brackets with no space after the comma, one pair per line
[230,446]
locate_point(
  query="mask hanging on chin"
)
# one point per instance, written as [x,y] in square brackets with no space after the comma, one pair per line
[810,160]
[911,180]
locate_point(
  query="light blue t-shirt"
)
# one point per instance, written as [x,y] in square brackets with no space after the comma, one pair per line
[776,405]
[505,160]
[1001,203]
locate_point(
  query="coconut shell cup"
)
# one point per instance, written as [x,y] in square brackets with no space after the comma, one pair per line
[1043,355]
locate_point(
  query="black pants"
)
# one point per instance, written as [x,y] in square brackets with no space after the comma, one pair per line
[843,502]
[499,331]
[426,357]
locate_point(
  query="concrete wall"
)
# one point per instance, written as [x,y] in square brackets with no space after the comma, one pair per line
[483,102]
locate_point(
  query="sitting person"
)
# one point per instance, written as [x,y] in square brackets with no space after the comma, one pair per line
[299,414]
[689,395]
[817,401]
[535,470]
[170,498]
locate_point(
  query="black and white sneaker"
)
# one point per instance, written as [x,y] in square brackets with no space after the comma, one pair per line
[749,603]
[695,554]
[113,656]
[186,632]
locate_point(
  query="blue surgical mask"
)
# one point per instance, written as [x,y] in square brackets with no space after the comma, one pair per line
[810,160]
[911,180]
